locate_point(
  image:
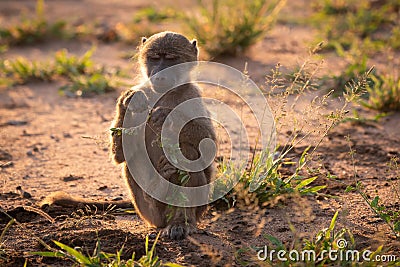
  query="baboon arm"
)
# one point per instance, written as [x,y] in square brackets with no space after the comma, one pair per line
[139,105]
[116,150]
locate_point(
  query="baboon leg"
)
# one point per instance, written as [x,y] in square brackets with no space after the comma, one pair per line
[148,208]
[208,172]
[183,220]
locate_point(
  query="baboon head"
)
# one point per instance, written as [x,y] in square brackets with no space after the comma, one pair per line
[164,50]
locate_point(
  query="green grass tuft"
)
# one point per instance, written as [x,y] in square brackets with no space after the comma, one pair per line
[100,258]
[32,30]
[229,27]
[348,23]
[383,93]
[83,75]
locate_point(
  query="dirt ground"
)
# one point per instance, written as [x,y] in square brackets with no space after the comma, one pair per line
[50,143]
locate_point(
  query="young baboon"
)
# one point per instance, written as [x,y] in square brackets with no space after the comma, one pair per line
[157,53]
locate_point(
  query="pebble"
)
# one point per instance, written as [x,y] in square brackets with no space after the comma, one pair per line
[54,137]
[152,236]
[16,123]
[71,177]
[6,164]
[23,193]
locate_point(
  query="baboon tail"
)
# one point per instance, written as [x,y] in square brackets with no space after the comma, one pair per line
[65,200]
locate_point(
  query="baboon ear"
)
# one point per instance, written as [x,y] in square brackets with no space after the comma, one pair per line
[194,43]
[144,39]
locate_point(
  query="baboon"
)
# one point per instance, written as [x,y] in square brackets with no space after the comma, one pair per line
[157,53]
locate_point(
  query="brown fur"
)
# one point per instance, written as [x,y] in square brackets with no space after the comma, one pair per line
[177,222]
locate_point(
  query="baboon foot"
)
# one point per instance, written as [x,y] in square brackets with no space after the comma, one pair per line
[178,231]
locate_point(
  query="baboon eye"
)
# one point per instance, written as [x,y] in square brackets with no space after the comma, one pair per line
[170,57]
[154,57]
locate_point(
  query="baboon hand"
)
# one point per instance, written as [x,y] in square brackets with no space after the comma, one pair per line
[135,101]
[165,168]
[158,116]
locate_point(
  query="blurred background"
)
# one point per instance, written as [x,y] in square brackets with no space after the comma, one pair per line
[355,36]
[328,68]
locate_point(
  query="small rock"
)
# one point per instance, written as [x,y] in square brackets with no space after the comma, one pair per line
[16,123]
[219,159]
[67,135]
[55,138]
[117,199]
[29,153]
[152,236]
[101,188]
[71,177]
[234,228]
[4,155]
[283,229]
[26,195]
[6,164]
[23,193]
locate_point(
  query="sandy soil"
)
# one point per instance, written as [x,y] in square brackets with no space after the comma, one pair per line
[50,142]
